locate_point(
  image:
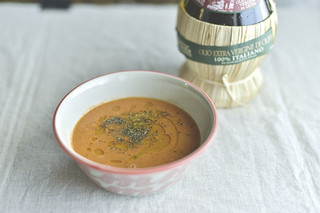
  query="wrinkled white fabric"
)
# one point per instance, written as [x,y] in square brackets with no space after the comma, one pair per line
[265,158]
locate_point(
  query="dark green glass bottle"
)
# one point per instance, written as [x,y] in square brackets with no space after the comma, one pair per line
[229,12]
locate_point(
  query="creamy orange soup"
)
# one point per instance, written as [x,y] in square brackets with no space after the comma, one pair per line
[135,133]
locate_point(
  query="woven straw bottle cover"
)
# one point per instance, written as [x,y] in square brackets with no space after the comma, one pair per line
[224,60]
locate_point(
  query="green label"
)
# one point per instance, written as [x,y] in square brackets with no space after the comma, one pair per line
[226,55]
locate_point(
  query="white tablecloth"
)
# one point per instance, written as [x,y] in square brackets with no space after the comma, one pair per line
[265,158]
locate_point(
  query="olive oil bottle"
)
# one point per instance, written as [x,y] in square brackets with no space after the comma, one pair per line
[224,42]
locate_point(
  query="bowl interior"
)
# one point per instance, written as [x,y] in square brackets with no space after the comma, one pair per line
[132,84]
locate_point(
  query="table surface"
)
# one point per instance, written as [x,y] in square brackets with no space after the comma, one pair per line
[265,158]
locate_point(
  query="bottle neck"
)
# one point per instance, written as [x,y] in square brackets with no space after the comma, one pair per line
[250,16]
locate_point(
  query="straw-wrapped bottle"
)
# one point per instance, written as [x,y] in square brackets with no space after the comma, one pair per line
[224,42]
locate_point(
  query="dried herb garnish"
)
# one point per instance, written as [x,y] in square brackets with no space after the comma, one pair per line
[132,127]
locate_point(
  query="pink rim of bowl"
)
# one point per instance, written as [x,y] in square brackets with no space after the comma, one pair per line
[136,171]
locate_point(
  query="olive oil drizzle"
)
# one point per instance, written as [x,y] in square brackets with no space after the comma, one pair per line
[133,127]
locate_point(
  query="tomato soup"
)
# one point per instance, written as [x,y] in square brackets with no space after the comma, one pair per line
[135,133]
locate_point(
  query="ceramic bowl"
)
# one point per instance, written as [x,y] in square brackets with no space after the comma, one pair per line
[135,181]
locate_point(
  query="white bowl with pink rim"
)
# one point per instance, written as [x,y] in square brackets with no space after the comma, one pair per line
[135,83]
